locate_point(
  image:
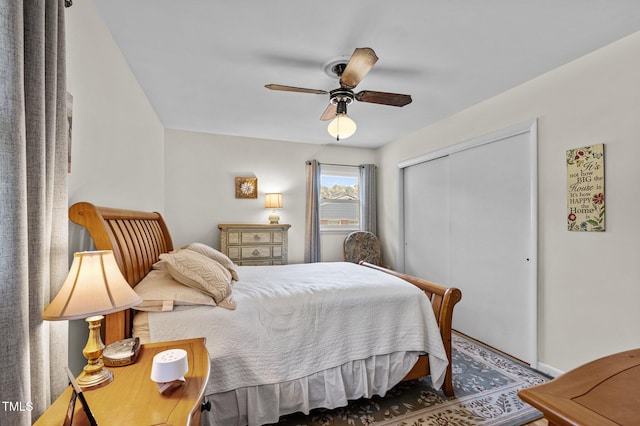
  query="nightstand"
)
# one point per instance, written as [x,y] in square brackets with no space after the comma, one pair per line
[255,244]
[133,399]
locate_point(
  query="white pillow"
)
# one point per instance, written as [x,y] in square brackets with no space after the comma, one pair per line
[216,255]
[200,272]
[160,292]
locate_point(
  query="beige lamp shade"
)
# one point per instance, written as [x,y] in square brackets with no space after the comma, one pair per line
[273,201]
[94,286]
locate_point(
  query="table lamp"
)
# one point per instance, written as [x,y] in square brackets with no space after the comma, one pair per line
[94,287]
[273,201]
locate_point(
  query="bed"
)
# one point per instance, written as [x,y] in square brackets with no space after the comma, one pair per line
[256,389]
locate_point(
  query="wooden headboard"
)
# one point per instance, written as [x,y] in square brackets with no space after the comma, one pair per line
[136,238]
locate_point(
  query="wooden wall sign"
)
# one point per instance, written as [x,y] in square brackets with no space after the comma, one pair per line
[585,188]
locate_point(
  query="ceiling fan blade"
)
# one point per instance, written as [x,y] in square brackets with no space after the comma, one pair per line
[361,61]
[383,98]
[295,89]
[329,112]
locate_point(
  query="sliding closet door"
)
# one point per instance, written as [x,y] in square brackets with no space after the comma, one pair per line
[490,212]
[426,209]
[469,221]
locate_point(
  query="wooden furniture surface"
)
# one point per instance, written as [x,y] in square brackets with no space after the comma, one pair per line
[133,398]
[255,244]
[137,250]
[604,392]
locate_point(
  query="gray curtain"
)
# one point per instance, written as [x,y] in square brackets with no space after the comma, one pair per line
[369,217]
[312,219]
[33,205]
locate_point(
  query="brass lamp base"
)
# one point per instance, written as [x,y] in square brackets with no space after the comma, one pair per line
[93,374]
[89,381]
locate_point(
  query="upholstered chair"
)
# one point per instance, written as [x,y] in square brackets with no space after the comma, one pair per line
[362,245]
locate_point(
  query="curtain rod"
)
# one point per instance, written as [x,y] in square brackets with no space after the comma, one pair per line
[334,164]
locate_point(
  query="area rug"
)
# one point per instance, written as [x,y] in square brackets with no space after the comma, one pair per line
[486,386]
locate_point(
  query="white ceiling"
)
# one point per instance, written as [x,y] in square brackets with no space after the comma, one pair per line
[203,63]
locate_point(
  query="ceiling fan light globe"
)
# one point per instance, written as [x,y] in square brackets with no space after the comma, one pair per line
[341,127]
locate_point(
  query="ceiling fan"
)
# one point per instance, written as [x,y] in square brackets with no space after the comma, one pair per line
[350,74]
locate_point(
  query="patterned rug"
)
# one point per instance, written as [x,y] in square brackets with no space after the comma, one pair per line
[486,386]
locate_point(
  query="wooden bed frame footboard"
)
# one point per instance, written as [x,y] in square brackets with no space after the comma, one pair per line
[443,300]
[138,238]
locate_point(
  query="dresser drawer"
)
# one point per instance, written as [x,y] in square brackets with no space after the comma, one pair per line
[253,252]
[255,237]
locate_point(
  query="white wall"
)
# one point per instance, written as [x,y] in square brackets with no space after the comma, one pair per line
[117,149]
[588,282]
[118,141]
[200,184]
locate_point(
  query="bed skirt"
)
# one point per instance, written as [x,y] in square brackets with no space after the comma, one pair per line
[258,405]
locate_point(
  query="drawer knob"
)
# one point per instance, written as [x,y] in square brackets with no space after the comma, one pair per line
[256,237]
[255,252]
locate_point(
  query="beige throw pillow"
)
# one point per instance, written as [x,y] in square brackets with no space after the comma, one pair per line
[200,272]
[160,292]
[216,255]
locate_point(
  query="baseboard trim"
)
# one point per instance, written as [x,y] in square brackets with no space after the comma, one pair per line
[547,369]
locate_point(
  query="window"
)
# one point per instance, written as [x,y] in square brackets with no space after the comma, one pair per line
[339,198]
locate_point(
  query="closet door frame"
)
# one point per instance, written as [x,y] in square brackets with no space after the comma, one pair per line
[518,129]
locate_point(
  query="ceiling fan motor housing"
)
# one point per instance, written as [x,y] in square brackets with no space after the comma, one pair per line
[341,95]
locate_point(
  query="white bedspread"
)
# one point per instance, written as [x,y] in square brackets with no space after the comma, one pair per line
[295,320]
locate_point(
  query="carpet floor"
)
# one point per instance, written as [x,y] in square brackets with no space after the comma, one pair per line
[485,384]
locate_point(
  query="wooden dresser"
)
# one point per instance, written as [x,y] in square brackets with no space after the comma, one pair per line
[255,244]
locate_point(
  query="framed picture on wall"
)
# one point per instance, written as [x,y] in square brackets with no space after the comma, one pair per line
[246,187]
